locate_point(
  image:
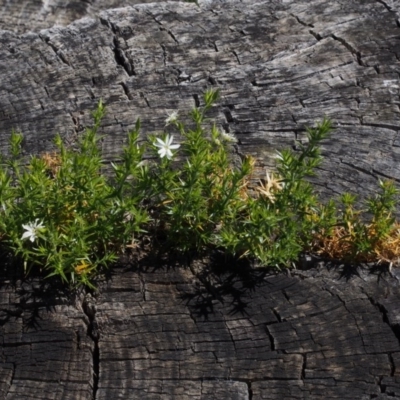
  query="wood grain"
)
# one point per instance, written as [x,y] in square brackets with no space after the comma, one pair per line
[173,333]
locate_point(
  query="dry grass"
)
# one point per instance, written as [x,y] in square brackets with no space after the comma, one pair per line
[341,244]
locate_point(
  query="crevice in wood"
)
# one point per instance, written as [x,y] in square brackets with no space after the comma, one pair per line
[162,28]
[142,287]
[350,313]
[58,52]
[381,308]
[271,338]
[349,47]
[362,170]
[164,54]
[90,311]
[126,90]
[382,387]
[380,125]
[388,177]
[300,78]
[286,295]
[249,391]
[392,365]
[385,5]
[302,22]
[121,59]
[228,116]
[12,378]
[214,45]
[237,58]
[108,25]
[78,340]
[226,128]
[212,80]
[315,34]
[196,100]
[304,367]
[141,94]
[154,19]
[277,315]
[232,338]
[172,36]
[119,55]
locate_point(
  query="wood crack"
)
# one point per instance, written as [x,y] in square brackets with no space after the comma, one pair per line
[385,5]
[302,22]
[12,378]
[303,367]
[121,58]
[249,391]
[382,309]
[349,47]
[126,90]
[58,52]
[119,55]
[271,338]
[90,311]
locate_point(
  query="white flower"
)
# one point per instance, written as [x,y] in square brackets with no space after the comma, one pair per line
[31,230]
[166,147]
[228,137]
[171,118]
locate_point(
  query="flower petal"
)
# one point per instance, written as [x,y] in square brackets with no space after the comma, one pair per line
[161,152]
[160,143]
[26,235]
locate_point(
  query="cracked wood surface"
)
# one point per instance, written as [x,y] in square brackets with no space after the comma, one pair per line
[32,15]
[170,333]
[280,66]
[176,333]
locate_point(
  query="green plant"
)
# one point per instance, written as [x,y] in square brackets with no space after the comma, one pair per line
[276,226]
[194,200]
[61,213]
[361,235]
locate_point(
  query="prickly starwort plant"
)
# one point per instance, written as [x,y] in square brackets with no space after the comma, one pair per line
[275,226]
[195,199]
[368,235]
[61,214]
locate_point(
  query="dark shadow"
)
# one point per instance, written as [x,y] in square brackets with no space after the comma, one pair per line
[31,291]
[224,279]
[342,269]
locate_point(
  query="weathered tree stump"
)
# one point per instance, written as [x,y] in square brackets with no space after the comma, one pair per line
[170,333]
[279,66]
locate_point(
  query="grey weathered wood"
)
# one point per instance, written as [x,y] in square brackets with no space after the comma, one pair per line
[279,66]
[46,352]
[169,333]
[32,15]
